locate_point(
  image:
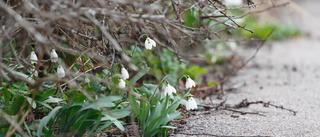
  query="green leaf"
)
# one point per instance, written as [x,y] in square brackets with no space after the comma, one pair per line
[46,119]
[138,76]
[44,104]
[46,94]
[53,100]
[17,104]
[90,89]
[156,113]
[34,105]
[152,88]
[170,117]
[102,127]
[145,90]
[97,123]
[107,101]
[134,105]
[120,113]
[114,121]
[6,95]
[118,124]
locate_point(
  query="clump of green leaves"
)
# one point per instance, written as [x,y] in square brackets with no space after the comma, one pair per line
[164,63]
[155,113]
[281,32]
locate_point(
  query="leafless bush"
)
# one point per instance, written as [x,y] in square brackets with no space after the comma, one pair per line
[102,30]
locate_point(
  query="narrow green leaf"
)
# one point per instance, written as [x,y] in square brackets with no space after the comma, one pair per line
[34,105]
[118,124]
[46,119]
[17,104]
[120,113]
[102,127]
[108,101]
[46,94]
[134,105]
[53,100]
[138,76]
[44,104]
[156,112]
[114,121]
[97,123]
[6,96]
[27,128]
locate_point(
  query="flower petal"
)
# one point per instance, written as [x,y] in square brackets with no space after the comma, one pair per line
[122,83]
[33,57]
[61,72]
[149,43]
[124,73]
[54,55]
[190,83]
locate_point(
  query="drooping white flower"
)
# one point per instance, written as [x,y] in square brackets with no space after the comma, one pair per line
[86,80]
[124,74]
[190,83]
[122,83]
[61,72]
[233,2]
[191,104]
[54,55]
[149,43]
[34,72]
[92,12]
[169,90]
[33,58]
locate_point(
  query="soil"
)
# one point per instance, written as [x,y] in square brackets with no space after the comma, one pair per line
[283,73]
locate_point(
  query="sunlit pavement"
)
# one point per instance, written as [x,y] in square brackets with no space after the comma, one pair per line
[284,73]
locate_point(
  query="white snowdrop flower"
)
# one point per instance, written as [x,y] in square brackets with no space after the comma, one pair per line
[86,80]
[54,55]
[33,58]
[35,72]
[124,74]
[190,83]
[232,45]
[149,43]
[122,83]
[191,104]
[61,72]
[92,12]
[169,90]
[233,2]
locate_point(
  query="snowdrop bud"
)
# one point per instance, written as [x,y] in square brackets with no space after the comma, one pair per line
[92,12]
[33,57]
[122,83]
[149,43]
[191,104]
[169,90]
[233,2]
[61,72]
[190,83]
[124,73]
[86,80]
[54,55]
[35,72]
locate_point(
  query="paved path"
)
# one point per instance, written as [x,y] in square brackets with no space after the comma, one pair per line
[285,73]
